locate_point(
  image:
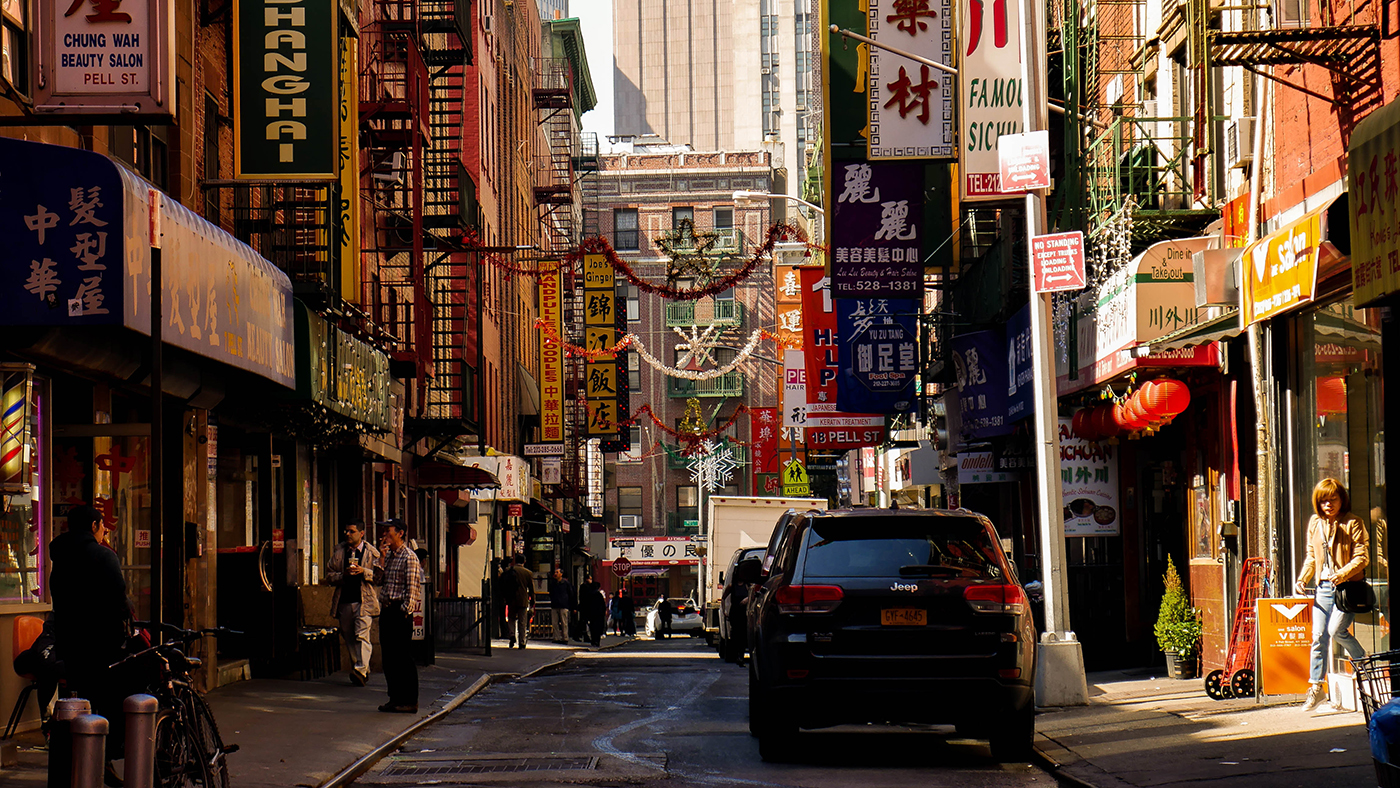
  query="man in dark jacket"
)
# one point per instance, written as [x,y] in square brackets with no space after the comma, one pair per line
[561,602]
[91,614]
[518,591]
[593,609]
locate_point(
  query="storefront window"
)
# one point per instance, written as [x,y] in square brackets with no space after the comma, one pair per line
[1341,434]
[22,537]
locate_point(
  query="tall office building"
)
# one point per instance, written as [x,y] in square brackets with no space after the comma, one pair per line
[718,75]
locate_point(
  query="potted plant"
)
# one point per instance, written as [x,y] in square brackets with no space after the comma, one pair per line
[1178,627]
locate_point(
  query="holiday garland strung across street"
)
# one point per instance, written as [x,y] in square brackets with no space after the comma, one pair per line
[690,441]
[778,233]
[634,342]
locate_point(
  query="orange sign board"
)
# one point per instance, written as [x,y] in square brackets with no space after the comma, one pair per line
[1285,639]
[1280,271]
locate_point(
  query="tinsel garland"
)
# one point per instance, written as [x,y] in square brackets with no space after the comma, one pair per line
[634,342]
[690,441]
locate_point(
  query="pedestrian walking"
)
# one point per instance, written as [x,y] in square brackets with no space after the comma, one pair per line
[615,613]
[664,613]
[354,603]
[518,592]
[561,604]
[592,608]
[629,612]
[1336,553]
[92,619]
[401,597]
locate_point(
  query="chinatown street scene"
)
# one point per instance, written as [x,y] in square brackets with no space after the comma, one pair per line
[756,393]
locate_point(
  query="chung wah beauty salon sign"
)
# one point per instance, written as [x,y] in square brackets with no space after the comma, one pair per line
[108,58]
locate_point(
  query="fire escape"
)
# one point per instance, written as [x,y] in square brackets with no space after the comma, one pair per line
[413,56]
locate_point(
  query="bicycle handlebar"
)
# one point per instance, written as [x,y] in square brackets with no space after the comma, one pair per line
[186,635]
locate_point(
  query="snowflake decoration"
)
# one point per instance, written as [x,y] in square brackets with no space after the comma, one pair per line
[713,467]
[699,345]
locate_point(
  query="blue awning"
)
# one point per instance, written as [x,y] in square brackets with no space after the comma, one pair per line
[77,227]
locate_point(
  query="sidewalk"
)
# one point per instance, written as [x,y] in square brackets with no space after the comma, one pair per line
[1140,730]
[300,733]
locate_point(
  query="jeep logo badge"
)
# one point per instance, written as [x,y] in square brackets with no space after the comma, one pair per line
[898,586]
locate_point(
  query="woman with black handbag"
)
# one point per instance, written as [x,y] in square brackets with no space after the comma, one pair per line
[1337,558]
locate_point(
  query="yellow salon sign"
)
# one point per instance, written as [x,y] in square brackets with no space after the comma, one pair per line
[1280,271]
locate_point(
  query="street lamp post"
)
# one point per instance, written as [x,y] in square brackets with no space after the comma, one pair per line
[741,195]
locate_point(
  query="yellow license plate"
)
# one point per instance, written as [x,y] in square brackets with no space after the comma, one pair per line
[904,617]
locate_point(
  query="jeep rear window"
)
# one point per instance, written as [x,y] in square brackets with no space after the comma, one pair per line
[937,547]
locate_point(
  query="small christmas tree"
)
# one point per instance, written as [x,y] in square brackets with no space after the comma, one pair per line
[1178,626]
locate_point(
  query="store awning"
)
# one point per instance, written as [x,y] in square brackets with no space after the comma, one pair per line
[437,475]
[1223,327]
[84,261]
[529,392]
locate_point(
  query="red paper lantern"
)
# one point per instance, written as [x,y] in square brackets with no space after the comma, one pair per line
[1133,417]
[1105,422]
[1331,395]
[1170,397]
[1077,426]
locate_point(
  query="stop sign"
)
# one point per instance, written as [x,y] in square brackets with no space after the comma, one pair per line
[622,567]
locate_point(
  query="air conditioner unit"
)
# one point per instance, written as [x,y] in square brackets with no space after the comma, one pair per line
[765,70]
[1291,13]
[1149,109]
[1239,143]
[629,522]
[391,170]
[486,24]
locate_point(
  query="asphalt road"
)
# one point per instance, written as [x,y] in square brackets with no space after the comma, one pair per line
[667,713]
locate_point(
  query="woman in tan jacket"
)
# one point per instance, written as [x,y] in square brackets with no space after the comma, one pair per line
[1337,552]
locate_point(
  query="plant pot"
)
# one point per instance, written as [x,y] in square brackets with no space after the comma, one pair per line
[1179,667]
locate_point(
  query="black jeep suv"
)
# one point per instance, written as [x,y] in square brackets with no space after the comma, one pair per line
[891,616]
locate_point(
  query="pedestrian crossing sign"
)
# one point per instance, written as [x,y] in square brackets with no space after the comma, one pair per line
[795,480]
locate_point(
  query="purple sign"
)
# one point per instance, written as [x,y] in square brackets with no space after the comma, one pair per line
[876,250]
[879,354]
[979,360]
[1020,397]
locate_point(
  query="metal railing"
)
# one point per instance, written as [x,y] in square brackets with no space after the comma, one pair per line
[679,462]
[730,384]
[1147,159]
[726,311]
[459,624]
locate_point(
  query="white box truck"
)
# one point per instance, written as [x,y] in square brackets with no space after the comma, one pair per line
[737,521]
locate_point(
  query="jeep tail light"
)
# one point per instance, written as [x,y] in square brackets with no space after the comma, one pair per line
[808,599]
[996,599]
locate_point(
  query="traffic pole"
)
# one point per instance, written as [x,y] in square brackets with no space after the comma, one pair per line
[1059,676]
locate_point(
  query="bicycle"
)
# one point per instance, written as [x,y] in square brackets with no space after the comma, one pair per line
[190,752]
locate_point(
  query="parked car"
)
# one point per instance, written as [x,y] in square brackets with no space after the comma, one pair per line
[743,572]
[685,620]
[891,616]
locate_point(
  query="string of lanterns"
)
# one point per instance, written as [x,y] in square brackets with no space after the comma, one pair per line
[1144,411]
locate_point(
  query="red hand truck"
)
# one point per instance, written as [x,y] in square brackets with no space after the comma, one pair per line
[1237,679]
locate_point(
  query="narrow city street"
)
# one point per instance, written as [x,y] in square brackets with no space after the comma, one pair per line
[667,712]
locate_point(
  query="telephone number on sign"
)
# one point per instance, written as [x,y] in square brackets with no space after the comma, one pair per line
[868,284]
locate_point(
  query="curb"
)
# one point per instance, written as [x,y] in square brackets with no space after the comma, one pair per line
[1040,757]
[367,761]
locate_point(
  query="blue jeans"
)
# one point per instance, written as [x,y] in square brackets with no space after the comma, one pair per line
[1330,623]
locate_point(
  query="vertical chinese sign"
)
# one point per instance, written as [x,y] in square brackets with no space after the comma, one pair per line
[911,104]
[788,286]
[285,92]
[600,334]
[551,358]
[875,245]
[1375,205]
[348,201]
[990,90]
[763,437]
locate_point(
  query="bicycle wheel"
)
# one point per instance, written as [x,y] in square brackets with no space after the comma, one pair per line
[211,744]
[178,762]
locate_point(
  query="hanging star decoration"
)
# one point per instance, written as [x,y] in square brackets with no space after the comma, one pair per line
[692,255]
[699,345]
[712,467]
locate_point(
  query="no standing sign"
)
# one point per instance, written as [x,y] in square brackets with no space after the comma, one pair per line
[1058,261]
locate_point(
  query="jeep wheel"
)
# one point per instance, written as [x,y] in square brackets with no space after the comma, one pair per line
[1013,742]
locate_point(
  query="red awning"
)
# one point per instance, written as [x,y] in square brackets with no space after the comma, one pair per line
[435,475]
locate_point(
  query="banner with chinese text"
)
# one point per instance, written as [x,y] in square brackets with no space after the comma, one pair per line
[875,246]
[763,439]
[823,425]
[911,104]
[600,317]
[880,345]
[788,286]
[551,359]
[348,200]
[979,362]
[1089,473]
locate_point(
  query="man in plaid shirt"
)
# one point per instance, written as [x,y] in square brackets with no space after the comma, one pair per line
[401,597]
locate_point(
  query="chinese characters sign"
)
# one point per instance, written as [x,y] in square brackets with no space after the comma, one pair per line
[655,550]
[105,57]
[763,438]
[788,286]
[551,361]
[881,355]
[285,92]
[348,124]
[69,217]
[1373,175]
[1089,475]
[876,251]
[979,362]
[824,427]
[600,317]
[991,90]
[911,104]
[1020,386]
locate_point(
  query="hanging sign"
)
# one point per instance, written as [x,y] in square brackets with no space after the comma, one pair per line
[824,426]
[991,90]
[1280,271]
[911,103]
[1058,262]
[103,58]
[981,371]
[788,297]
[1023,161]
[286,94]
[1374,205]
[348,208]
[763,438]
[875,246]
[1089,476]
[551,361]
[600,316]
[880,355]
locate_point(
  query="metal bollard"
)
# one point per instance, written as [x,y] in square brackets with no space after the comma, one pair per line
[61,740]
[89,750]
[140,760]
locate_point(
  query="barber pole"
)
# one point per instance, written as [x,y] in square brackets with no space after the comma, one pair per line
[16,382]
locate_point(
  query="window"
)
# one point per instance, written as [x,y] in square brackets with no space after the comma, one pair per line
[625,235]
[634,376]
[724,217]
[14,46]
[682,214]
[688,497]
[144,149]
[634,303]
[211,157]
[629,500]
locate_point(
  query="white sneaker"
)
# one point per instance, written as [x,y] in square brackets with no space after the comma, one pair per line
[1317,693]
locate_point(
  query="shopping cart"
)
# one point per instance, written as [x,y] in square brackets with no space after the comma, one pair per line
[1376,685]
[1237,679]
